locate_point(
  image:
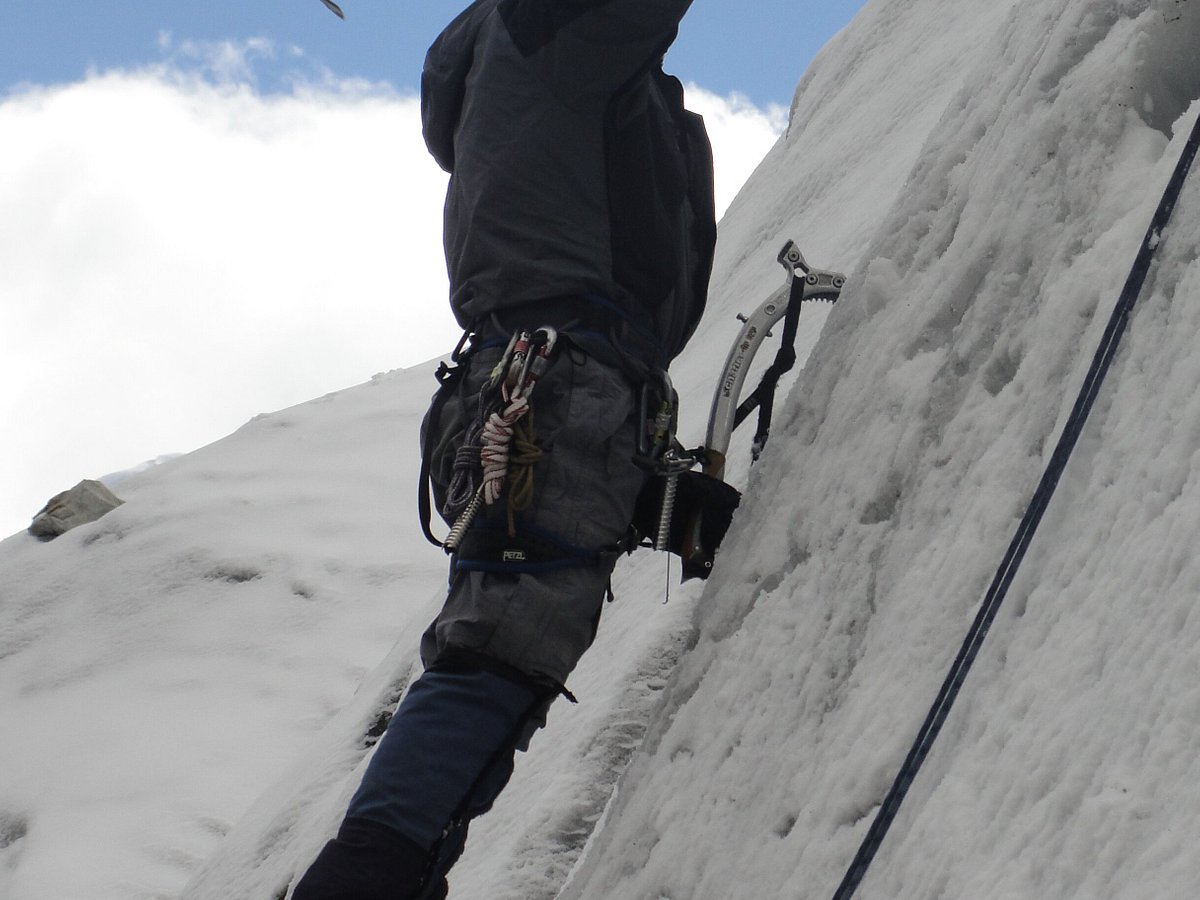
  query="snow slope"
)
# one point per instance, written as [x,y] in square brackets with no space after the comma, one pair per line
[237,629]
[188,687]
[158,665]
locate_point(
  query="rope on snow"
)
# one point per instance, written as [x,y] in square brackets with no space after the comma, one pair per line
[1105,353]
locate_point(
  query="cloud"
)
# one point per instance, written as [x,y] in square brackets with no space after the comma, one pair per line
[177,257]
[741,134]
[225,61]
[181,251]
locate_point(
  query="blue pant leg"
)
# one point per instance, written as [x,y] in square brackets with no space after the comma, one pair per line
[450,729]
[366,861]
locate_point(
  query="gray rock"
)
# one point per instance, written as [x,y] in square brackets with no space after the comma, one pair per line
[86,502]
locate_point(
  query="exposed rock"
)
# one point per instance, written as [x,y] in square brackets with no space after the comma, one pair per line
[86,502]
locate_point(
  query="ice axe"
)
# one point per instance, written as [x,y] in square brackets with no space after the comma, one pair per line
[804,284]
[334,8]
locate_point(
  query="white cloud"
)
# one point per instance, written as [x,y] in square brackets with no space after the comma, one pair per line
[176,257]
[741,134]
[180,252]
[226,62]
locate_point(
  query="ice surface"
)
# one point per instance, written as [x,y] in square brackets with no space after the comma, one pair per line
[899,472]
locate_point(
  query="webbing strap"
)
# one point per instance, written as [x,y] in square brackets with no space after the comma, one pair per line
[489,547]
[763,397]
[1025,531]
[448,378]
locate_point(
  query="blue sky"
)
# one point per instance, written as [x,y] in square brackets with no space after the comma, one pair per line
[759,48]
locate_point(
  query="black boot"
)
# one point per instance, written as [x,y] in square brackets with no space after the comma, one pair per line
[366,861]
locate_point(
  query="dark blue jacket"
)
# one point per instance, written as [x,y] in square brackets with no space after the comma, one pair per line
[575,170]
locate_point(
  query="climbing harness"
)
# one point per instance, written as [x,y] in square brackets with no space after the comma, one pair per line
[996,593]
[495,461]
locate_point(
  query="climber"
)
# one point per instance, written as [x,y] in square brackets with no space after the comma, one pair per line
[579,225]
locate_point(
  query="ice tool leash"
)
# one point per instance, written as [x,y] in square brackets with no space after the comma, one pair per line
[727,414]
[996,593]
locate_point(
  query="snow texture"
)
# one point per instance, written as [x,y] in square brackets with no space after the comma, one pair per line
[190,686]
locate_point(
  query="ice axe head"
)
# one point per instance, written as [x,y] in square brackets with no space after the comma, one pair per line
[334,8]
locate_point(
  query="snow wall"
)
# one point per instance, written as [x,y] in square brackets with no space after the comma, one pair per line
[983,170]
[986,172]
